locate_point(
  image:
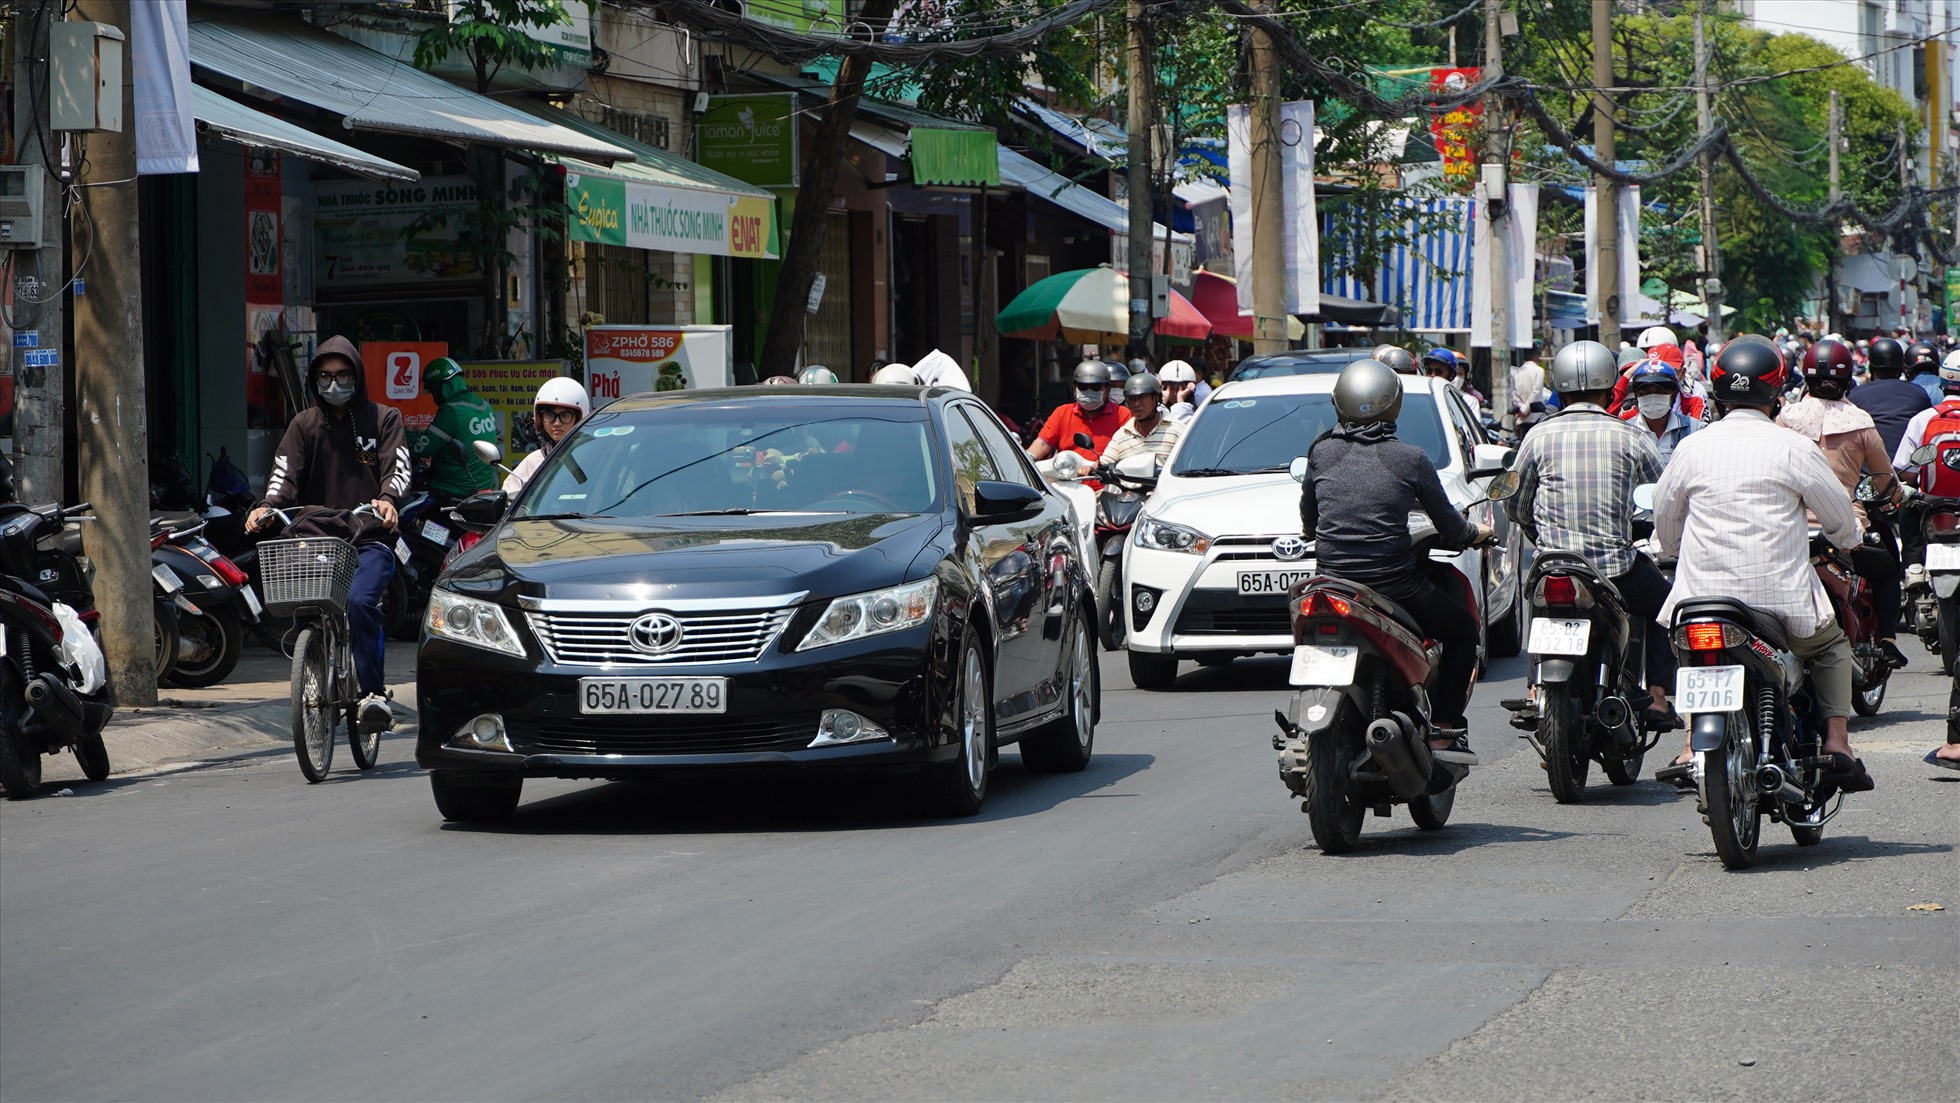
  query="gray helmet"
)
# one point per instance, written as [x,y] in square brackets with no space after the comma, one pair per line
[1092,373]
[1142,383]
[1584,366]
[1367,391]
[1398,359]
[1118,374]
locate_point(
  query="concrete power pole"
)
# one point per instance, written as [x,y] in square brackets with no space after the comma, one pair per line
[1141,187]
[1268,205]
[1711,250]
[1497,166]
[1606,193]
[1830,289]
[40,425]
[111,415]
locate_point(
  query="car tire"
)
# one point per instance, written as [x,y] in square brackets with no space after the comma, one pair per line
[481,803]
[1109,605]
[959,788]
[1152,672]
[1064,745]
[1507,635]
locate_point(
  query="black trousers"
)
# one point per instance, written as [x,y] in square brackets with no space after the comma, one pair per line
[1447,620]
[1645,589]
[1887,582]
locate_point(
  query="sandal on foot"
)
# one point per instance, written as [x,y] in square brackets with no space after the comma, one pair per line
[1933,759]
[1659,720]
[1850,774]
[1681,775]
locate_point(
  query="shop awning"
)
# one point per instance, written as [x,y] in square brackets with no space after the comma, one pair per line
[371,91]
[661,201]
[955,158]
[234,121]
[1017,171]
[1099,138]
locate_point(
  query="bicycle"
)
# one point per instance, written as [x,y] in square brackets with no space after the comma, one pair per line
[308,579]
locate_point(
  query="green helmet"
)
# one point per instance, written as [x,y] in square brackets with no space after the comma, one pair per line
[441,370]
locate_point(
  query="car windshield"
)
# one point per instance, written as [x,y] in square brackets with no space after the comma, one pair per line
[703,460]
[1261,367]
[1243,436]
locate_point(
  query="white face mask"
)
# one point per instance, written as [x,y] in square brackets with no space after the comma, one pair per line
[1090,400]
[1655,406]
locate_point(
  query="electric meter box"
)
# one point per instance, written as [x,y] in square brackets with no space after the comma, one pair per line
[20,206]
[85,76]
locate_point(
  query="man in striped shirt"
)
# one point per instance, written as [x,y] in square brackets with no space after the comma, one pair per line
[1148,429]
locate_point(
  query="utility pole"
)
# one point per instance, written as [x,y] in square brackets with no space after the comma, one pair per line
[1711,251]
[114,438]
[1831,139]
[1497,165]
[1268,206]
[1141,190]
[1606,193]
[40,423]
[1836,122]
[1905,187]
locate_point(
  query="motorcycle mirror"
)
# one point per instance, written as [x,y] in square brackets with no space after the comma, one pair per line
[1866,490]
[1503,486]
[487,451]
[1083,440]
[1924,454]
[1643,497]
[1298,469]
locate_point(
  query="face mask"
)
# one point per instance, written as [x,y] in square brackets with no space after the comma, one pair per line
[1655,405]
[1457,382]
[337,394]
[1090,400]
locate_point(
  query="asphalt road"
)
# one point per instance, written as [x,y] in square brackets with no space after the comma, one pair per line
[1158,927]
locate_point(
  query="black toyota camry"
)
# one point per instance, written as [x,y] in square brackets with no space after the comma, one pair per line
[814,577]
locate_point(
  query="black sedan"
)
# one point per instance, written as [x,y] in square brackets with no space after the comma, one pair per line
[808,577]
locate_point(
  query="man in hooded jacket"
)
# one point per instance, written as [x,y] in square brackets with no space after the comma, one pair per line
[342,452]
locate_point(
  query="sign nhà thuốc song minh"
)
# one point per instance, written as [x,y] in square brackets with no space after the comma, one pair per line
[611,211]
[366,232]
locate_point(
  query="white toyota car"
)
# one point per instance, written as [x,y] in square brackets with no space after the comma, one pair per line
[1218,545]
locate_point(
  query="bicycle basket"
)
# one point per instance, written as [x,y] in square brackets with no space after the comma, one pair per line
[310,572]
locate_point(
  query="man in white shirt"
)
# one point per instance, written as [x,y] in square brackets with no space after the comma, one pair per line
[1149,429]
[1528,389]
[1731,507]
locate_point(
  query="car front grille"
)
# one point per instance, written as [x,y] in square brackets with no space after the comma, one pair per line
[604,639]
[598,735]
[1222,613]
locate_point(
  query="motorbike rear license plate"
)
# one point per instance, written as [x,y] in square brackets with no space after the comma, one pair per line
[1559,637]
[166,578]
[601,696]
[252,602]
[1943,557]
[1272,582]
[1707,689]
[1320,665]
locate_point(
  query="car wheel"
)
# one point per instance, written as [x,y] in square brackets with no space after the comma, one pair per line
[481,803]
[959,787]
[1064,746]
[1152,671]
[1507,635]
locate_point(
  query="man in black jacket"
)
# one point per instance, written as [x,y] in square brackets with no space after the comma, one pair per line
[342,452]
[1888,398]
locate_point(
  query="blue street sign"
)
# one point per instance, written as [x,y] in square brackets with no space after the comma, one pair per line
[44,358]
[27,338]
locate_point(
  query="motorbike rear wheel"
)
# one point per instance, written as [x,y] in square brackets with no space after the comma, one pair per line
[20,765]
[1333,812]
[1561,731]
[1109,605]
[1734,820]
[211,646]
[1433,811]
[168,644]
[93,755]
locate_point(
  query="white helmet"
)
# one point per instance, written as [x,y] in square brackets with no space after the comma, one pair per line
[1656,335]
[817,374]
[1950,369]
[778,380]
[1177,371]
[563,391]
[895,375]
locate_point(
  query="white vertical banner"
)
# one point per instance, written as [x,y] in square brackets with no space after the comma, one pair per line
[160,64]
[1521,231]
[1632,309]
[1300,213]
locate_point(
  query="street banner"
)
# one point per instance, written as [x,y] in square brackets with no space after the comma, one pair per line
[1522,235]
[160,67]
[622,360]
[1458,131]
[509,386]
[1952,300]
[613,211]
[394,377]
[264,285]
[1635,308]
[1299,213]
[751,138]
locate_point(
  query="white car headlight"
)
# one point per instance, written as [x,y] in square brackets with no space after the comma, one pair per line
[472,621]
[1164,536]
[874,613]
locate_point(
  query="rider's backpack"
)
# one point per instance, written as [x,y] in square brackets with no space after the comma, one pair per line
[1937,478]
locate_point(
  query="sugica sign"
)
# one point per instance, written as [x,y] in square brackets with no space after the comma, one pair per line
[624,360]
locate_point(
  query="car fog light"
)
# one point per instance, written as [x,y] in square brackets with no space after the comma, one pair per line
[839,726]
[484,733]
[1145,600]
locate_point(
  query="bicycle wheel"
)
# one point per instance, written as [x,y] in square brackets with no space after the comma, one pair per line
[366,745]
[313,695]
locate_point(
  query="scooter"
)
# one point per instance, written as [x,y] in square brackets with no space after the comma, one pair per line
[430,540]
[54,692]
[212,601]
[1124,488]
[1935,606]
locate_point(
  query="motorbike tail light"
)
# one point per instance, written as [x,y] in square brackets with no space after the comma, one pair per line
[33,609]
[159,540]
[1942,523]
[1708,636]
[228,571]
[1329,628]
[467,541]
[1559,589]
[1324,603]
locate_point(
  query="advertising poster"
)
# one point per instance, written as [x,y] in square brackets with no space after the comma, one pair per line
[263,282]
[623,360]
[610,211]
[751,138]
[1952,299]
[509,386]
[1459,131]
[394,377]
[369,232]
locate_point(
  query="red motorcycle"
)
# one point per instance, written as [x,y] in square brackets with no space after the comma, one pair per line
[1843,575]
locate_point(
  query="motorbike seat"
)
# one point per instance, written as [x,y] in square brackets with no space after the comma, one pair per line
[1377,602]
[1764,625]
[1546,562]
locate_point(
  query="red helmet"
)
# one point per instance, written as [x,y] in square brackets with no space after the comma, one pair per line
[1827,369]
[1749,371]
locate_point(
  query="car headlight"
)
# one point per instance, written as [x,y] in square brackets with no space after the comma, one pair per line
[472,621]
[874,613]
[1164,536]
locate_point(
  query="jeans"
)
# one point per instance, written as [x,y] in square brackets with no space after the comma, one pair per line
[371,575]
[1445,619]
[1644,589]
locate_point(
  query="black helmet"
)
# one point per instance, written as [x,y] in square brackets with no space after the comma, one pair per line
[1827,369]
[1092,373]
[1922,356]
[1142,383]
[1888,357]
[1748,372]
[1399,360]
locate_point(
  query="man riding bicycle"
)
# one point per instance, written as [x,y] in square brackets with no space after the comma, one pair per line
[342,452]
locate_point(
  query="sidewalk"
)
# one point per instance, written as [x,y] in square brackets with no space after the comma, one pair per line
[249,711]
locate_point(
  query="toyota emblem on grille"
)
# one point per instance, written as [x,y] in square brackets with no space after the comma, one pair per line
[1289,547]
[655,634]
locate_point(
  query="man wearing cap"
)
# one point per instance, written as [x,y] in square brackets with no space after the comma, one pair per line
[462,418]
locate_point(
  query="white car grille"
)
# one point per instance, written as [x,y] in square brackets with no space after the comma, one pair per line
[605,639]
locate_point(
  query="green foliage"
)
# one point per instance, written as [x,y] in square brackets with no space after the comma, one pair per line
[490,35]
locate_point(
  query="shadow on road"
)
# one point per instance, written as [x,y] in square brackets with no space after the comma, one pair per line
[1399,838]
[1778,853]
[811,801]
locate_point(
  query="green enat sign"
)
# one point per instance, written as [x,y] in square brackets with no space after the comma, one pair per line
[1952,296]
[751,138]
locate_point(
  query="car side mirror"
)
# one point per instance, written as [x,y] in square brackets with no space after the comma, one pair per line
[481,511]
[1490,459]
[1141,467]
[1298,469]
[1643,497]
[1001,502]
[1505,485]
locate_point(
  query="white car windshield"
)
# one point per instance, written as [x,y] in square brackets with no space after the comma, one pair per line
[1263,434]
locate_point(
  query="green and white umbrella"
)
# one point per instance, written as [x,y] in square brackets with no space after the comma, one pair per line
[1091,306]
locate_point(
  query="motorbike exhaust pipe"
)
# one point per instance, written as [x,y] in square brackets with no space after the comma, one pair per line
[1616,716]
[1390,741]
[55,707]
[1772,783]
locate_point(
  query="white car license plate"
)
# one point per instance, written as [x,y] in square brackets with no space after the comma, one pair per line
[1559,637]
[598,696]
[252,601]
[1943,557]
[1321,665]
[1707,689]
[1272,582]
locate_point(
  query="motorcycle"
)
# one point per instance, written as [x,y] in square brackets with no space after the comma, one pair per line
[1357,733]
[1125,485]
[430,542]
[1588,664]
[54,692]
[211,599]
[1935,606]
[1755,734]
